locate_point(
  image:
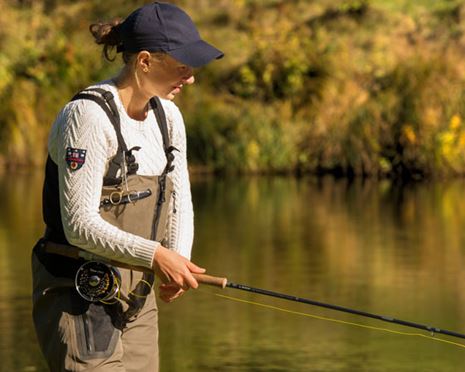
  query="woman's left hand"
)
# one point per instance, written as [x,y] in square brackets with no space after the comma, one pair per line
[170,292]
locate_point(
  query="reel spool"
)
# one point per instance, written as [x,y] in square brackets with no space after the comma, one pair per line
[97,281]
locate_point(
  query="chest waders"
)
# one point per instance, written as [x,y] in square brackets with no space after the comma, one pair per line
[134,203]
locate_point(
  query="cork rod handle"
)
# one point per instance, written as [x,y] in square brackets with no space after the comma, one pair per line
[210,280]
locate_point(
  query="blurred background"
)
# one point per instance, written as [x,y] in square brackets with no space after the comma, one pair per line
[365,87]
[326,152]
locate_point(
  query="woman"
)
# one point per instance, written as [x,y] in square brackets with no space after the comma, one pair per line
[117,188]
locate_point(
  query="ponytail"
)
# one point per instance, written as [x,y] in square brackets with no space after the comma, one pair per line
[108,35]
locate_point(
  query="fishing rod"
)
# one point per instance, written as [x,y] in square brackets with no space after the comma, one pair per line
[96,281]
[224,283]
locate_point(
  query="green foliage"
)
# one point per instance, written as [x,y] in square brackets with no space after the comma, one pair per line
[354,6]
[364,87]
[288,70]
[234,135]
[41,66]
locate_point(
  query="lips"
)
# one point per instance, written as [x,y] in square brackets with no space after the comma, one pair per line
[177,88]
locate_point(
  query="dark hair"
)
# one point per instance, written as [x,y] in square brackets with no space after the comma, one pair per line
[108,35]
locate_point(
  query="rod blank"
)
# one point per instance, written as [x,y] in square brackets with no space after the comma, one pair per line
[223,283]
[219,282]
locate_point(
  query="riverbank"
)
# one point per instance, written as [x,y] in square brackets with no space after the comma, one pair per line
[349,87]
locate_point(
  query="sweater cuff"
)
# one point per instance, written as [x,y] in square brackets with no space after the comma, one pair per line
[145,251]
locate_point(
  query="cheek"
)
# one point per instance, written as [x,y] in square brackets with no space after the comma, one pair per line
[155,85]
[164,80]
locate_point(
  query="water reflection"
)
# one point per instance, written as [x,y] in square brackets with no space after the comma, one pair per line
[20,225]
[368,245]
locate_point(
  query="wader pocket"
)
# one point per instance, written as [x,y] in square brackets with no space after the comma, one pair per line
[139,206]
[95,334]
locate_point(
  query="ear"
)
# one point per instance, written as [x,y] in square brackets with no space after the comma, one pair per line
[143,61]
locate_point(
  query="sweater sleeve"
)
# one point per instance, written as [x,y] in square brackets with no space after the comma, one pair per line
[181,218]
[83,125]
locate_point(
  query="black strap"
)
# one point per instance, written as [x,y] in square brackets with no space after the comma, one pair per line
[108,105]
[162,124]
[161,120]
[105,100]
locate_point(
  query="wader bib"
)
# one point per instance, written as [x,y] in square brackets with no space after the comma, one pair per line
[75,334]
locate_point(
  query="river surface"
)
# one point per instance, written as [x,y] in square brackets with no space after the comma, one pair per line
[373,246]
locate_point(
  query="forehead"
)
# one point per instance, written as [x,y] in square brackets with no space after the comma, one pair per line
[172,62]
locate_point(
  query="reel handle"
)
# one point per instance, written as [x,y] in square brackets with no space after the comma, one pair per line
[214,281]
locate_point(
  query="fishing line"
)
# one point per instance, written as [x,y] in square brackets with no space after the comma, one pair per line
[120,297]
[319,317]
[100,281]
[132,293]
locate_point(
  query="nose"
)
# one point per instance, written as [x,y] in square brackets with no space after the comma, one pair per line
[189,80]
[187,74]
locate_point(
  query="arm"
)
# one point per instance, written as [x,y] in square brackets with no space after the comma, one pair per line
[181,222]
[83,125]
[181,218]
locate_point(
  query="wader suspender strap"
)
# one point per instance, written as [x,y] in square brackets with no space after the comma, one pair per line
[106,101]
[108,105]
[161,120]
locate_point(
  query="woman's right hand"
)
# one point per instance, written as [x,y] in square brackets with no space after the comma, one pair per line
[171,267]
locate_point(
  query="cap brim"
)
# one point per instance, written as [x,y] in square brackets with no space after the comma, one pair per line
[196,54]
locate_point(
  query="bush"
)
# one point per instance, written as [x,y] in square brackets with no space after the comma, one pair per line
[355,87]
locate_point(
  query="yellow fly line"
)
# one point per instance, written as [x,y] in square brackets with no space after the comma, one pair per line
[412,334]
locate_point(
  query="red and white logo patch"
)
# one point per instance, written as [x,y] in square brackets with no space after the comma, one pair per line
[75,158]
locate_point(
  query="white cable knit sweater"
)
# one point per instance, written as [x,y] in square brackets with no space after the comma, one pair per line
[84,125]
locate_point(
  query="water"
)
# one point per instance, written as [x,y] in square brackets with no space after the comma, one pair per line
[367,245]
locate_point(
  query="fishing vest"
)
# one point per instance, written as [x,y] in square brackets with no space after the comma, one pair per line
[134,203]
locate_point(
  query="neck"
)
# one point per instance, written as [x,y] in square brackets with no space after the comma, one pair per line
[133,100]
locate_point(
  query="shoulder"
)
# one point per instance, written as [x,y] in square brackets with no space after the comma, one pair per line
[173,117]
[175,123]
[84,110]
[172,111]
[79,117]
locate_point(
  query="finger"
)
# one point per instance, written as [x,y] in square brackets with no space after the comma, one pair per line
[164,277]
[170,297]
[169,292]
[180,280]
[176,295]
[190,282]
[193,268]
[169,286]
[165,299]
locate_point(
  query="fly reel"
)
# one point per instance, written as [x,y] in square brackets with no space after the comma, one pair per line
[97,281]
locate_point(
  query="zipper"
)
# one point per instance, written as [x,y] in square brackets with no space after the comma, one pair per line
[85,320]
[160,201]
[174,201]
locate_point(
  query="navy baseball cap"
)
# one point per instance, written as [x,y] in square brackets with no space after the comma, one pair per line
[161,27]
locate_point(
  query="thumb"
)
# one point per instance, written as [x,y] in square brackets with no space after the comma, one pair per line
[193,268]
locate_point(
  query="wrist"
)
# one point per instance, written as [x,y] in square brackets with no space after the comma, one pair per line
[157,253]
